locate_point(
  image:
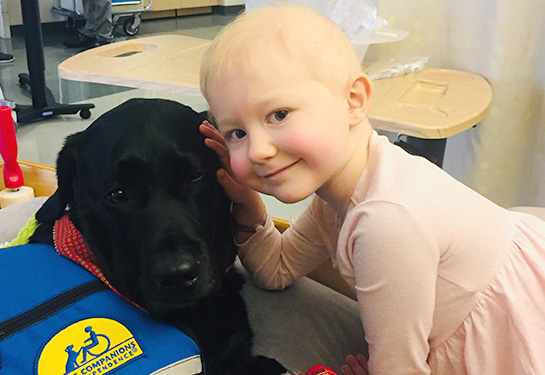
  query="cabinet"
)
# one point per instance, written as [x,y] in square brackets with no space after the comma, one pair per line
[173,8]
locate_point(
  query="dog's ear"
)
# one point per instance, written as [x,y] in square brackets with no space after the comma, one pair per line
[55,207]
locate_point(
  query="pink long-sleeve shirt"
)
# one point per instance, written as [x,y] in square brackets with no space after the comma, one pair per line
[418,246]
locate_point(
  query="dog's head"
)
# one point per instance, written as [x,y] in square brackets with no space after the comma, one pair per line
[140,185]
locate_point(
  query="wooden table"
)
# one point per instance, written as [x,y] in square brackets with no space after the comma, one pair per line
[164,62]
[425,107]
[429,106]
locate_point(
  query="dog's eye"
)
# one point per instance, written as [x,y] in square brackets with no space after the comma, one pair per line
[117,196]
[197,176]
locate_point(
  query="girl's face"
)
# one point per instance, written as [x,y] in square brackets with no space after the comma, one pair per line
[287,133]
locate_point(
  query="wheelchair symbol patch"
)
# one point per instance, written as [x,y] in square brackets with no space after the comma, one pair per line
[89,347]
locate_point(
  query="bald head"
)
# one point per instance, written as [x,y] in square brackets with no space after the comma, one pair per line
[288,34]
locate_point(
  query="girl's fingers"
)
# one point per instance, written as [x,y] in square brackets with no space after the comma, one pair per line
[223,153]
[215,142]
[210,131]
[346,370]
[363,362]
[219,148]
[355,365]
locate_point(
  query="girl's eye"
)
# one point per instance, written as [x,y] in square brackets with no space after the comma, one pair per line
[278,116]
[238,134]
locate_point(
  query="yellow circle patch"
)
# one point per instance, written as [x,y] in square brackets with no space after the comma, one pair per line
[89,347]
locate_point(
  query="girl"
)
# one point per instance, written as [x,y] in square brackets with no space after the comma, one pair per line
[447,281]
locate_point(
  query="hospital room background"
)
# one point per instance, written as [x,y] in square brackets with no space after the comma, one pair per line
[502,157]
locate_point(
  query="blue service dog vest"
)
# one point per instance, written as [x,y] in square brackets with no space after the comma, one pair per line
[58,319]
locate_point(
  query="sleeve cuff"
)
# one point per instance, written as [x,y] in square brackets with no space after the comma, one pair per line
[257,230]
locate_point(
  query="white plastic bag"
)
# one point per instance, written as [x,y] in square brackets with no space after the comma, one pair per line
[357,18]
[396,67]
[318,5]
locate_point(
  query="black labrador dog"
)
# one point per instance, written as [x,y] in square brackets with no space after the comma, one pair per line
[140,185]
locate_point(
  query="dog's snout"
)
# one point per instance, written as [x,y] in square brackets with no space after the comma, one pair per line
[177,274]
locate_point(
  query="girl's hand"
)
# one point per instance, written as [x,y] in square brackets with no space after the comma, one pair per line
[248,207]
[215,141]
[355,365]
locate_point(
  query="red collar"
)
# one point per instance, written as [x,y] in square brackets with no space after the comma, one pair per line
[70,243]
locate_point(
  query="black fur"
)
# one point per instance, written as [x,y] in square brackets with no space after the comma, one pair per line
[140,185]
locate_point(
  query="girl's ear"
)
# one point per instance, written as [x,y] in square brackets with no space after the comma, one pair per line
[359,94]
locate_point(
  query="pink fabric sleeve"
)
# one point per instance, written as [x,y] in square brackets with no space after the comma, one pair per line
[276,260]
[395,263]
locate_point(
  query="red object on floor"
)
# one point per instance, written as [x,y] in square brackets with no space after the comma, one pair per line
[320,370]
[13,177]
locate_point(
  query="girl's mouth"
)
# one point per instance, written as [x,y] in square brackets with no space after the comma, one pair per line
[276,174]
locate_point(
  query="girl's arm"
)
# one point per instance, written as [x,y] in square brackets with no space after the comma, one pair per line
[395,262]
[276,260]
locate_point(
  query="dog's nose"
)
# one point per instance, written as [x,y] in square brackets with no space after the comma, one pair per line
[176,274]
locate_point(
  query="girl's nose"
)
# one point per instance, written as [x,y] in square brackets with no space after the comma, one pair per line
[261,147]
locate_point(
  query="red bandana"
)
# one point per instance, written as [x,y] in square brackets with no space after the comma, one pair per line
[70,243]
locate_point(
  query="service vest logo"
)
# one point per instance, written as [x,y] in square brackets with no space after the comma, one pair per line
[93,346]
